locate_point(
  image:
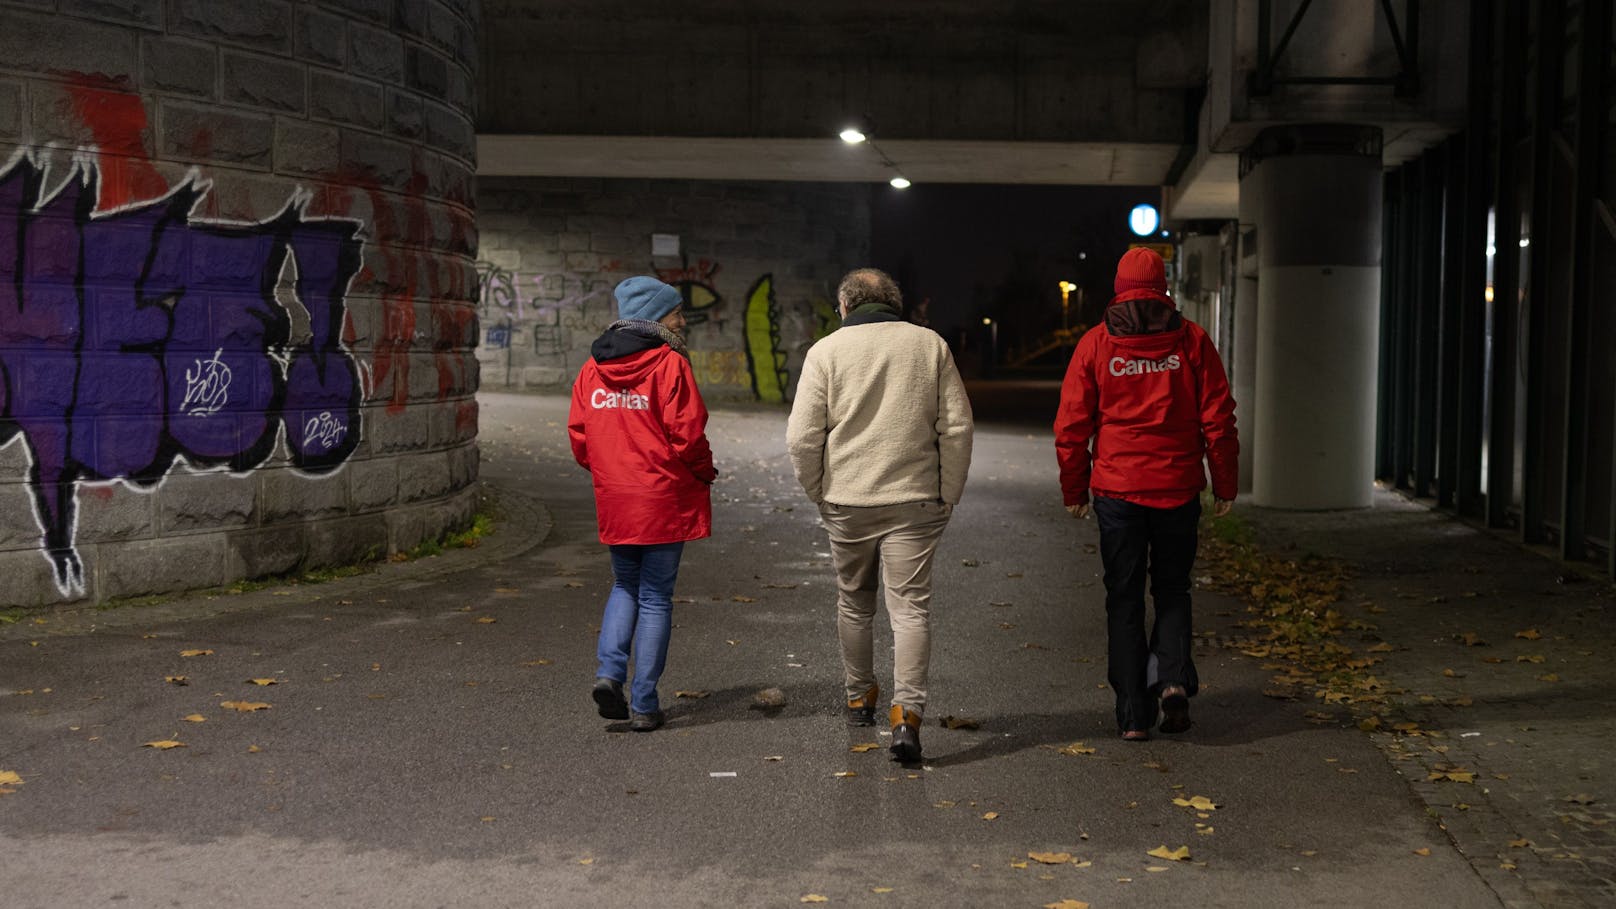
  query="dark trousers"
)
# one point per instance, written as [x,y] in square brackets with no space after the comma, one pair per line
[1136,540]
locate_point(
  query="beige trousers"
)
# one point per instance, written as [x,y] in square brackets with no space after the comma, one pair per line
[892,544]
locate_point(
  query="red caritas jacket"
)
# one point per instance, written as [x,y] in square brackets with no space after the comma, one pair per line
[638,424]
[1153,404]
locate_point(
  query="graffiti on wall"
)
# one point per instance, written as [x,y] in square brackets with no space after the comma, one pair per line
[133,337]
[698,286]
[763,352]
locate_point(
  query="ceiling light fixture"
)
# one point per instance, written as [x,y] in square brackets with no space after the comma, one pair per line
[859,133]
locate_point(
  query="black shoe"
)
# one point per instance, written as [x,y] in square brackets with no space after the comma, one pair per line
[608,696]
[1175,705]
[647,722]
[861,711]
[905,735]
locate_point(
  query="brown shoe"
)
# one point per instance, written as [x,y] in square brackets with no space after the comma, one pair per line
[905,734]
[1135,735]
[861,710]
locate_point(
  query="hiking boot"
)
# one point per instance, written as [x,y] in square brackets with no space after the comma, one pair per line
[905,734]
[608,695]
[861,711]
[647,722]
[1175,706]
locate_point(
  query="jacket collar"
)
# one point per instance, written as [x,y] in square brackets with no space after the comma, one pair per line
[871,312]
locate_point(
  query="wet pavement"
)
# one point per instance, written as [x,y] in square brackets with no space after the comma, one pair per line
[429,739]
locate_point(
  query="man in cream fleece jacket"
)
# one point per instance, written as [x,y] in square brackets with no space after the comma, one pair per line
[880,438]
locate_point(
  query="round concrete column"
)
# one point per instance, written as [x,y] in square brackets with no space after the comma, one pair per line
[1243,359]
[237,289]
[1318,210]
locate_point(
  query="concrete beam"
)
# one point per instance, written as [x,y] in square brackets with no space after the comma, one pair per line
[828,159]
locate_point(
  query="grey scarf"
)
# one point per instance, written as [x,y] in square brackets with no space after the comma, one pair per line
[648,329]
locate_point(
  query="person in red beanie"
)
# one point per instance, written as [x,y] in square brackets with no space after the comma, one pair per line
[1147,389]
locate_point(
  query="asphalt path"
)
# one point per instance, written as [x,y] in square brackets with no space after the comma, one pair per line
[430,740]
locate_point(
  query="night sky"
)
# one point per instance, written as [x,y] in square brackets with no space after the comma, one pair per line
[978,251]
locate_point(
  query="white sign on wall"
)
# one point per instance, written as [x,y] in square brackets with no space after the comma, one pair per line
[664,244]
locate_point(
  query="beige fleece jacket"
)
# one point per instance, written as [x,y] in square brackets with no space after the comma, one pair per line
[880,418]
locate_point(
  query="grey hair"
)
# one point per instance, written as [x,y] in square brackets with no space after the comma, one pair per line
[869,285]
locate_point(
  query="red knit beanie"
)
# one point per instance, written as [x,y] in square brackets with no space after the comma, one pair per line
[1141,273]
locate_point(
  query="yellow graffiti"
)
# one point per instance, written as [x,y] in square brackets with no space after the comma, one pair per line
[825,318]
[720,367]
[768,361]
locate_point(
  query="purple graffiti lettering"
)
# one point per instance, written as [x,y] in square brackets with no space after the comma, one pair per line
[131,338]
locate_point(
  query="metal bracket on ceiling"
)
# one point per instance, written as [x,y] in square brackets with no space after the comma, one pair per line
[1405,83]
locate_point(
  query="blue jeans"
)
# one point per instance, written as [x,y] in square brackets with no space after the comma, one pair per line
[639,613]
[1161,542]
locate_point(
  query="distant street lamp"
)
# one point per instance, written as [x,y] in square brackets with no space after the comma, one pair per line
[993,343]
[1066,288]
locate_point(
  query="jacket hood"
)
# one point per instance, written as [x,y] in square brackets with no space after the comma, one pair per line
[628,369]
[1132,314]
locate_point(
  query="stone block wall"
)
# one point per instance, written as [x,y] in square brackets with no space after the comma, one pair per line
[237,288]
[758,263]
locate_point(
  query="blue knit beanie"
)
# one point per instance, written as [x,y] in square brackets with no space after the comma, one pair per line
[645,298]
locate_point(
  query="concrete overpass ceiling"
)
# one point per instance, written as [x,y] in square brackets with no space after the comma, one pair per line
[920,160]
[1089,71]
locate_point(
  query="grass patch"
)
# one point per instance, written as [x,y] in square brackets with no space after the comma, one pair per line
[482,525]
[12,616]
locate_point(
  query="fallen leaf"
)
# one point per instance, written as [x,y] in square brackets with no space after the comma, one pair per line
[1050,858]
[1076,748]
[1369,724]
[487,818]
[1521,843]
[164,744]
[507,590]
[814,898]
[1551,677]
[1067,904]
[195,653]
[253,749]
[862,747]
[991,815]
[9,778]
[775,757]
[1382,647]
[732,642]
[1453,776]
[880,889]
[486,620]
[244,706]
[844,774]
[1423,850]
[1198,802]
[1471,639]
[743,599]
[1580,799]
[547,662]
[573,584]
[696,695]
[1181,854]
[1530,658]
[1530,634]
[586,861]
[1018,864]
[263,681]
[195,718]
[959,722]
[1156,869]
[176,680]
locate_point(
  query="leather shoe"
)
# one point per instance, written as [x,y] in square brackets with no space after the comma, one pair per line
[905,734]
[647,722]
[608,695]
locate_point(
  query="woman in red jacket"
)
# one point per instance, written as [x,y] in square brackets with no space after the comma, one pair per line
[1148,389]
[638,425]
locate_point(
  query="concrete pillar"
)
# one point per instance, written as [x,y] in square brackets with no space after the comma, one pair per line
[293,183]
[1318,210]
[1242,359]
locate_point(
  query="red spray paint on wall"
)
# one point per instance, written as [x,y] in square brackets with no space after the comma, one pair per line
[118,121]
